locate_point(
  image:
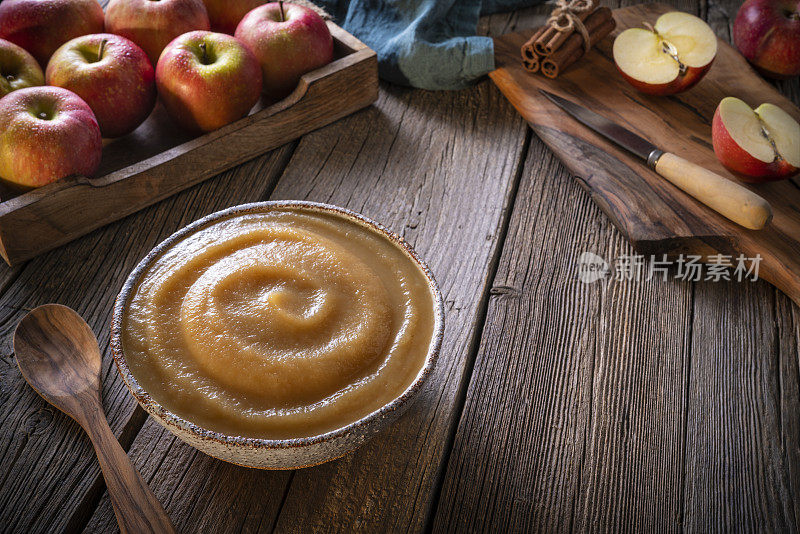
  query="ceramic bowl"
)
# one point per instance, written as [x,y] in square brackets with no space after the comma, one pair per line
[276,453]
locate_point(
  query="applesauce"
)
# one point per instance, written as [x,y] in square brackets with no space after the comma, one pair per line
[282,323]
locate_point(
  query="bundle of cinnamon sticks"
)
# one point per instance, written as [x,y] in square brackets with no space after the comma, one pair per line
[562,42]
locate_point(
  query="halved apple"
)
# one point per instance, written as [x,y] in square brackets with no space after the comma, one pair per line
[758,145]
[667,58]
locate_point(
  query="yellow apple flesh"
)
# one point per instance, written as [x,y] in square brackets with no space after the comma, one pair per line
[668,58]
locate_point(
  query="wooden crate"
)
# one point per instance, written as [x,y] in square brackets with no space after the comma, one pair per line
[159,160]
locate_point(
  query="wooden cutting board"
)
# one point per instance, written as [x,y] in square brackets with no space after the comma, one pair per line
[653,214]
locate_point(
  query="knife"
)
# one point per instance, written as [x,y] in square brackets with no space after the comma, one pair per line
[724,196]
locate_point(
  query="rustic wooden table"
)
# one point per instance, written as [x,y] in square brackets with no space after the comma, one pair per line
[556,405]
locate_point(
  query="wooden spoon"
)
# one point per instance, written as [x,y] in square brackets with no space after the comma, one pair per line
[58,355]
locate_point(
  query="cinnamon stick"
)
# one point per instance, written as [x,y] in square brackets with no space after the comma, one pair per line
[552,67]
[599,25]
[532,65]
[546,37]
[550,43]
[528,52]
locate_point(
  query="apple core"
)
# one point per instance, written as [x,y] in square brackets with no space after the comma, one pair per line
[668,57]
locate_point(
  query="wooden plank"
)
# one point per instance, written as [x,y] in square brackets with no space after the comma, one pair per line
[159,159]
[743,429]
[439,169]
[49,478]
[571,388]
[521,19]
[644,407]
[741,446]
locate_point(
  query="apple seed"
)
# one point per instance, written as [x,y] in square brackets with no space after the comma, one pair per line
[765,133]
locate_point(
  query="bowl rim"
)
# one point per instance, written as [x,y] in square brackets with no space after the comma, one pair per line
[173,419]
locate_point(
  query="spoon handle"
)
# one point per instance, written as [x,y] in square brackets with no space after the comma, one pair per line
[137,509]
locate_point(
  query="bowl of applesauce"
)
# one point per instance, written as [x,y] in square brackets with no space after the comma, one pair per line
[278,334]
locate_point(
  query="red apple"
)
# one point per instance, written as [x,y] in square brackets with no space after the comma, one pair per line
[207,80]
[41,26]
[288,40]
[226,14]
[111,74]
[46,133]
[667,58]
[18,69]
[152,24]
[767,33]
[758,145]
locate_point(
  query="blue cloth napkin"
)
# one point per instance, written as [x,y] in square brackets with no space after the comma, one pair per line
[429,44]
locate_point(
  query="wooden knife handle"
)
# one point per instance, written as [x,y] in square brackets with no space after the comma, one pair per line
[724,196]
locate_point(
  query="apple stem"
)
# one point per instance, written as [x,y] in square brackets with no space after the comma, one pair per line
[203,48]
[102,49]
[283,15]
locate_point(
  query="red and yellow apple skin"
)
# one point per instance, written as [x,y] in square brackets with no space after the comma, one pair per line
[40,27]
[678,85]
[668,57]
[740,162]
[767,33]
[18,69]
[225,15]
[46,133]
[203,90]
[119,86]
[287,44]
[154,24]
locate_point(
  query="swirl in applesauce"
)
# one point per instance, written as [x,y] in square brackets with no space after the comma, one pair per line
[279,324]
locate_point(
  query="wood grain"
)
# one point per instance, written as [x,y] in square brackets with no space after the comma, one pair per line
[439,169]
[739,464]
[570,414]
[653,214]
[158,160]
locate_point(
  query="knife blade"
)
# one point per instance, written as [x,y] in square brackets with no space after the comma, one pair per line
[608,129]
[724,196]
